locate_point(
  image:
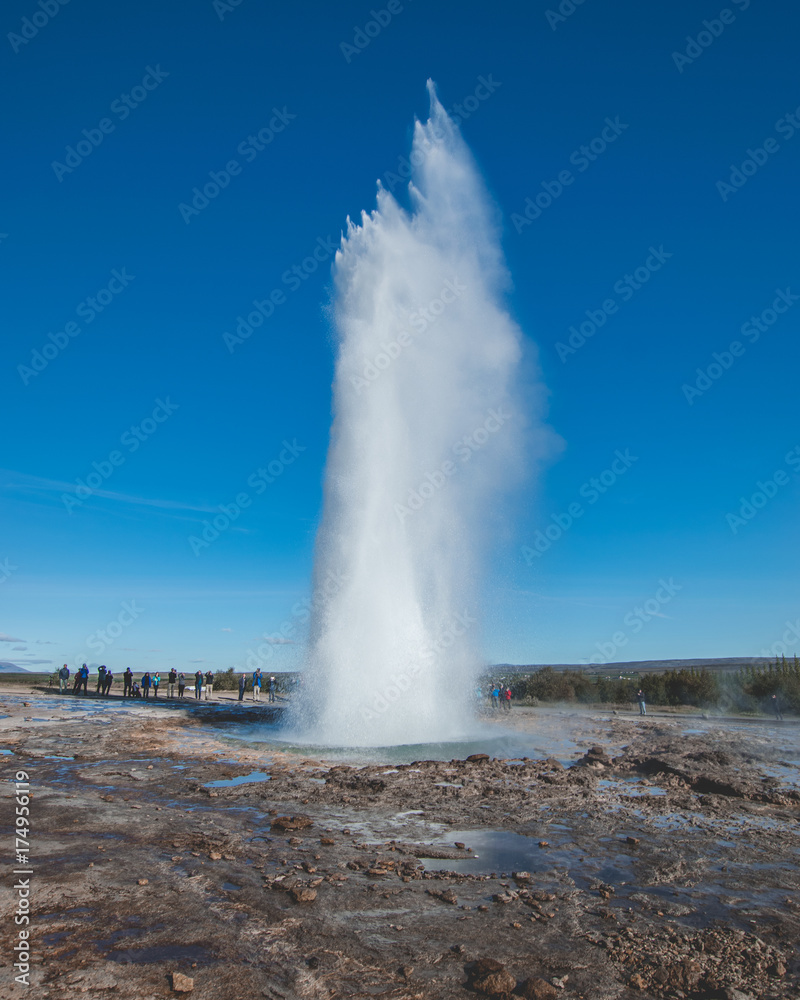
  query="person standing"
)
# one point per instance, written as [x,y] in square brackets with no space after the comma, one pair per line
[63,677]
[242,686]
[776,707]
[257,684]
[83,680]
[181,684]
[640,699]
[127,683]
[507,699]
[209,683]
[272,687]
[109,680]
[156,682]
[172,676]
[198,685]
[101,679]
[146,682]
[495,696]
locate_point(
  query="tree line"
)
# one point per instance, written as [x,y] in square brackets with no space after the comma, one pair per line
[747,690]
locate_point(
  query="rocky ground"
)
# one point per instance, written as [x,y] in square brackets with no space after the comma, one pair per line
[651,861]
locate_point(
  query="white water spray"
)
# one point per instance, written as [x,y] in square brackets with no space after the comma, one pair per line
[426,431]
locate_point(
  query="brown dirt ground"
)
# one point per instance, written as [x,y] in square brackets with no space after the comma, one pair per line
[655,862]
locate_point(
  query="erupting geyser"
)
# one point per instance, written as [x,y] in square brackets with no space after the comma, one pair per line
[426,432]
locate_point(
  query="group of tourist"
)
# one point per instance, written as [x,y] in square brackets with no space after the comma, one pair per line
[258,681]
[151,683]
[501,697]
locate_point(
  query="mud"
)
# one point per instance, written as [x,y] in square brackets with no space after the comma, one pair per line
[644,858]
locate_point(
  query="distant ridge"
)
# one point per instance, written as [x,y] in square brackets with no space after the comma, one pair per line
[6,667]
[638,666]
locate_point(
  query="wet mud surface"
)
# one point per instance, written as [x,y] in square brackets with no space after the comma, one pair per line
[646,858]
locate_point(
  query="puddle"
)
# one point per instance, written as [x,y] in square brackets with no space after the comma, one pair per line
[230,887]
[173,953]
[244,779]
[7,752]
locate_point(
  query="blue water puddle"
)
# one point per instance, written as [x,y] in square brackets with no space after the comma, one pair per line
[11,752]
[502,852]
[230,887]
[244,779]
[630,787]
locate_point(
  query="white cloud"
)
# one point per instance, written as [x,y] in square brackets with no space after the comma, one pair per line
[226,630]
[274,640]
[5,637]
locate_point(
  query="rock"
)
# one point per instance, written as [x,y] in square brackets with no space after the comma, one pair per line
[778,969]
[504,897]
[544,843]
[476,758]
[406,971]
[181,983]
[298,822]
[446,895]
[631,840]
[327,841]
[142,881]
[215,856]
[490,977]
[301,894]
[535,988]
[459,845]
[521,877]
[636,982]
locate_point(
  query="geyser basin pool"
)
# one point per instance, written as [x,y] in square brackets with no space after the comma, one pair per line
[427,430]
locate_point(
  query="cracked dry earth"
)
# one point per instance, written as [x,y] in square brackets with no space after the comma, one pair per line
[651,861]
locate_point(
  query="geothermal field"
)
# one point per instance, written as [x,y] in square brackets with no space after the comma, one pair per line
[561,854]
[382,831]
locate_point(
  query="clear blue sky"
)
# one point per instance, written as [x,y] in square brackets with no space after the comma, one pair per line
[153,98]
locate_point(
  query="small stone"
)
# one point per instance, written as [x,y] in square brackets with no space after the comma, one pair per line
[406,971]
[521,877]
[142,881]
[490,977]
[459,845]
[475,758]
[778,969]
[215,856]
[327,841]
[298,822]
[181,983]
[544,843]
[631,840]
[300,894]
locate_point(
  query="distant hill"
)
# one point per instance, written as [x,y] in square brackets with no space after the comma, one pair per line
[723,663]
[6,667]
